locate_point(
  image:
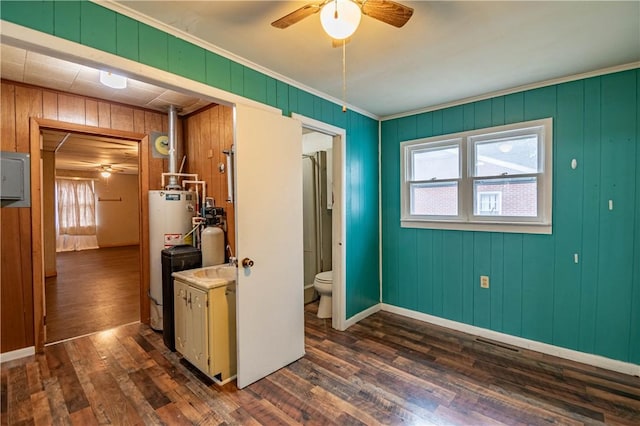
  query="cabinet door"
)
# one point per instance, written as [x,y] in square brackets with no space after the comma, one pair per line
[197,330]
[181,313]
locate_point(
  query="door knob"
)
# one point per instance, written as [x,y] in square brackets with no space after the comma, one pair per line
[247,263]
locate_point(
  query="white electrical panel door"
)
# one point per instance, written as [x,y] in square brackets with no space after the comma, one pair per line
[270,298]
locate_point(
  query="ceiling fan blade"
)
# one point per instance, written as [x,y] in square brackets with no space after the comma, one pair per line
[387,11]
[298,15]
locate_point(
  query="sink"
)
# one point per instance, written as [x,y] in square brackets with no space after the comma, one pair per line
[209,276]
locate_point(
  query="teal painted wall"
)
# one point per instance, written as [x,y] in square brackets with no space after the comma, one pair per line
[95,26]
[537,291]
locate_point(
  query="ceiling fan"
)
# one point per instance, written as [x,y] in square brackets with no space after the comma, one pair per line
[340,18]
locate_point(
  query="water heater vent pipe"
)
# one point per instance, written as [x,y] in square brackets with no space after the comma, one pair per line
[173,160]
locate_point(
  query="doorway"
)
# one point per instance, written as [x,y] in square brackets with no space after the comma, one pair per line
[91,233]
[332,140]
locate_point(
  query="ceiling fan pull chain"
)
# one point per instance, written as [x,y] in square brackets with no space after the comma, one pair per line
[344,75]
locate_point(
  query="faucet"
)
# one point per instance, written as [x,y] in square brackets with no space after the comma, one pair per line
[232,260]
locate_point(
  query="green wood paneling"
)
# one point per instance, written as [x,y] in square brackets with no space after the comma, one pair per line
[237,78]
[496,281]
[568,141]
[293,101]
[306,104]
[453,120]
[424,248]
[407,270]
[390,214]
[255,85]
[537,291]
[512,285]
[590,216]
[514,108]
[187,59]
[97,27]
[482,114]
[468,276]
[424,125]
[66,20]
[127,37]
[38,15]
[634,332]
[497,111]
[282,95]
[617,151]
[153,46]
[218,71]
[452,275]
[272,91]
[481,266]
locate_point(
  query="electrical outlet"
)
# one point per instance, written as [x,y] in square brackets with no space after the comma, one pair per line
[484,281]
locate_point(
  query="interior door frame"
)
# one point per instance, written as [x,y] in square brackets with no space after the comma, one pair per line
[338,217]
[36,125]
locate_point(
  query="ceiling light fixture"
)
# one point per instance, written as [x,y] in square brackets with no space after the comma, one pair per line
[340,18]
[105,174]
[112,80]
[105,171]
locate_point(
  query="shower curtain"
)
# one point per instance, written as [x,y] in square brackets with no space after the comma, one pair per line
[75,215]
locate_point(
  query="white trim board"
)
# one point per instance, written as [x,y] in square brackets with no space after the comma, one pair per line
[570,354]
[362,315]
[17,354]
[134,14]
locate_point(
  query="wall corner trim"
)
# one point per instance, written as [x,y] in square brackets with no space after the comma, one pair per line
[570,354]
[17,354]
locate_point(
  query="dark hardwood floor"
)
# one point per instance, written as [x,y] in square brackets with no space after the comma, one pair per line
[385,370]
[94,290]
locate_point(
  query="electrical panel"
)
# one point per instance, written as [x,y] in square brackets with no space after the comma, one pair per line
[15,184]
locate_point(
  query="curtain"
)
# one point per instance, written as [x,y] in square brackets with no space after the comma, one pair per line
[75,215]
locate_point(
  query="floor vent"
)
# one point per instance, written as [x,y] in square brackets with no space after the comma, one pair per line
[500,345]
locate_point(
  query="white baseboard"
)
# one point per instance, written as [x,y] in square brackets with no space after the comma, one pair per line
[362,315]
[573,355]
[17,354]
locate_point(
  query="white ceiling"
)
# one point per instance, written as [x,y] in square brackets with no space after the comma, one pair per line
[24,66]
[448,51]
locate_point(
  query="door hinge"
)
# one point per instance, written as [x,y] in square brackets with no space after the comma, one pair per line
[208,361]
[44,320]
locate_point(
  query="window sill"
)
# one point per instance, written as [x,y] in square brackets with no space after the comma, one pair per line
[510,227]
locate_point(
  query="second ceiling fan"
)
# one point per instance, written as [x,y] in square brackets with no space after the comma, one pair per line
[340,18]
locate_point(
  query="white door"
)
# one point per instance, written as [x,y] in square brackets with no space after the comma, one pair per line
[268,171]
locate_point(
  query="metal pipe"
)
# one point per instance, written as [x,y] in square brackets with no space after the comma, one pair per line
[173,136]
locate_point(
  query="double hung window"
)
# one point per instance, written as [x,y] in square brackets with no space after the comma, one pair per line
[496,179]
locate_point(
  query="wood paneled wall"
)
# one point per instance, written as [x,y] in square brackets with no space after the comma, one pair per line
[206,134]
[19,103]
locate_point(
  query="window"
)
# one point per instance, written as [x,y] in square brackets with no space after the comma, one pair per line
[496,179]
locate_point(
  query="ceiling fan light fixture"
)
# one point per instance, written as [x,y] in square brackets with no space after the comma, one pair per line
[340,18]
[112,80]
[105,174]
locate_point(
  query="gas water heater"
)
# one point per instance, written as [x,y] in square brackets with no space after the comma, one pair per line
[170,213]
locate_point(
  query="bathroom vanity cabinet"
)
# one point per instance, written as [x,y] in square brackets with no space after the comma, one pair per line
[205,324]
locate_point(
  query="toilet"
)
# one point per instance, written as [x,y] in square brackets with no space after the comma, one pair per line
[323,284]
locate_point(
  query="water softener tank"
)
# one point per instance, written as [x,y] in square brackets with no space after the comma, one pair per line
[212,245]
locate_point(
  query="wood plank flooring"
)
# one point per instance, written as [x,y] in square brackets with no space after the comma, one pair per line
[386,370]
[94,290]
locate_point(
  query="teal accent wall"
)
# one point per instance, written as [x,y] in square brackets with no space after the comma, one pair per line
[537,291]
[95,26]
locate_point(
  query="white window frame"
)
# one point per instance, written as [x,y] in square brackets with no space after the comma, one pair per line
[496,194]
[466,219]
